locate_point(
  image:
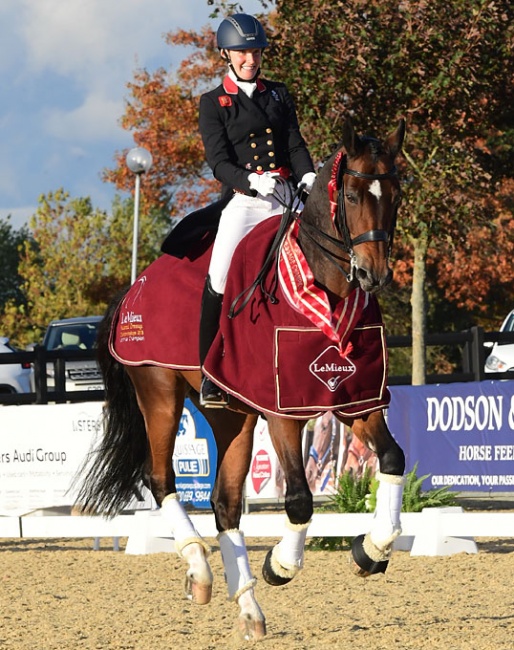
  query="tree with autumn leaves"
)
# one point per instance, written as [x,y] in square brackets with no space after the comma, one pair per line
[445,67]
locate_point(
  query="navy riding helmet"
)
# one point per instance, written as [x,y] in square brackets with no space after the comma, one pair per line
[241,32]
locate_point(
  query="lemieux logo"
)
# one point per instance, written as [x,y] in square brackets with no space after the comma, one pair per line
[331,369]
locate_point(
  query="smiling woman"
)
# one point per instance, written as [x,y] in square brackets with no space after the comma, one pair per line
[255,149]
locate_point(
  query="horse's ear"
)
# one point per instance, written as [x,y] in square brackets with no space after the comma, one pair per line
[395,139]
[351,141]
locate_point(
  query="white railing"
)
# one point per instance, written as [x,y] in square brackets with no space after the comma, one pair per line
[435,531]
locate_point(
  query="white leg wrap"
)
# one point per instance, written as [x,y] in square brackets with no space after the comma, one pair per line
[386,525]
[235,560]
[182,528]
[287,556]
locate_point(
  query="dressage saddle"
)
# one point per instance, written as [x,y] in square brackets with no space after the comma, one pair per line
[193,227]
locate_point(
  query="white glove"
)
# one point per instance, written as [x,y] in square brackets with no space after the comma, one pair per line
[307,181]
[264,184]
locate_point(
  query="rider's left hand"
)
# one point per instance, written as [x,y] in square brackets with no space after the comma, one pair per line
[307,181]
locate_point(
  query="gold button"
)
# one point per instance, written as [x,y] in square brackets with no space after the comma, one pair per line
[256,157]
[268,130]
[269,142]
[272,165]
[271,154]
[253,145]
[259,168]
[252,135]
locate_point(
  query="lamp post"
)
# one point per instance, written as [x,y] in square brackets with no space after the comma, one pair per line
[139,161]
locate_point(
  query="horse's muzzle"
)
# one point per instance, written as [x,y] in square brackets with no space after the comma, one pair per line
[372,282]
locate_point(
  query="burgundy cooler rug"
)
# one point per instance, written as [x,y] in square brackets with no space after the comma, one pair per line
[294,357]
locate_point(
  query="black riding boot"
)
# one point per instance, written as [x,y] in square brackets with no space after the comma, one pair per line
[211,396]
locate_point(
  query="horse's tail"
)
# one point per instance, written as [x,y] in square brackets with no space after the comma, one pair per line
[113,472]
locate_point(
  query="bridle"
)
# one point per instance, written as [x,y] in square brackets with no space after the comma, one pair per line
[338,217]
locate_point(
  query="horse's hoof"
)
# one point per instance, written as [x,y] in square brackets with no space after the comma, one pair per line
[270,576]
[198,593]
[364,566]
[251,629]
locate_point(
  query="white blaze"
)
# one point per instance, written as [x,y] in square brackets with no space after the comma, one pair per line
[375,189]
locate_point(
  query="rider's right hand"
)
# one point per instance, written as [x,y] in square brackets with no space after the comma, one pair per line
[264,184]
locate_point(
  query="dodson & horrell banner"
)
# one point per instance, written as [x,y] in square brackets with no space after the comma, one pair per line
[461,434]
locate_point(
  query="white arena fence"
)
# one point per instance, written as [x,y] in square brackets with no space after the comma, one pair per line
[41,447]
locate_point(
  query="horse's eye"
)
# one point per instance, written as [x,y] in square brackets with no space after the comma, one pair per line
[352,197]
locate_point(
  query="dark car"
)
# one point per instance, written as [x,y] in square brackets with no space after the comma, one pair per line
[74,334]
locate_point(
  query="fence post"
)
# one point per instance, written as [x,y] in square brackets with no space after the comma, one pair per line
[40,375]
[60,379]
[477,353]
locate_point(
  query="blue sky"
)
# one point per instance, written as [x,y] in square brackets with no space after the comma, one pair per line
[63,74]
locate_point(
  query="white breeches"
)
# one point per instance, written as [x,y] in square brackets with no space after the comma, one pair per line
[241,214]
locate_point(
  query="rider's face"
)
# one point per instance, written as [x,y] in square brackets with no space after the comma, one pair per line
[245,62]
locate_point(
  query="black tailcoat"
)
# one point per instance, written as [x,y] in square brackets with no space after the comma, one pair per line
[243,135]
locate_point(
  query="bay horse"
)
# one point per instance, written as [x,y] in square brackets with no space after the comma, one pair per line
[344,237]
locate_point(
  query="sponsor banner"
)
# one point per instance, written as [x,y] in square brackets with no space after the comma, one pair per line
[329,448]
[195,458]
[41,450]
[461,434]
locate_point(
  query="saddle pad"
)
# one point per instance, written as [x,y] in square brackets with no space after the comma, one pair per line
[157,322]
[271,357]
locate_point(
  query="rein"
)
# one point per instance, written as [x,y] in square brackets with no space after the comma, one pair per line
[288,217]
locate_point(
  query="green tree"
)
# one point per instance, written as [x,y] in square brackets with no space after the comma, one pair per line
[11,242]
[78,257]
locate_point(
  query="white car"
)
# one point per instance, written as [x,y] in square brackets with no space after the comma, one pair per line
[501,357]
[74,334]
[14,377]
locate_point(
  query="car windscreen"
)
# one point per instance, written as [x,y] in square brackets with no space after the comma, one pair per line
[72,337]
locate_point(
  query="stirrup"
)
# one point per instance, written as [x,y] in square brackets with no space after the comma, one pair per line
[212,396]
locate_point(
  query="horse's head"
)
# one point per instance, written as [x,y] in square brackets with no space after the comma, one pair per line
[360,186]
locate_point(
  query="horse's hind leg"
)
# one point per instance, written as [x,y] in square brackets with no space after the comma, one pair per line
[234,438]
[160,393]
[285,560]
[371,552]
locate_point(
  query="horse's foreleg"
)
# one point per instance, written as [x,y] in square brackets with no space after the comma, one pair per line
[241,583]
[234,456]
[285,560]
[372,552]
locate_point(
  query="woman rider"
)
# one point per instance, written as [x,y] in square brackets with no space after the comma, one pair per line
[251,136]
